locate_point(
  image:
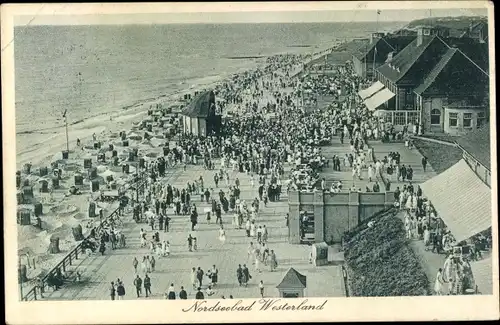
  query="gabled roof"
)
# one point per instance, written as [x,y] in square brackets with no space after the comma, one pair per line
[293,279]
[405,59]
[363,51]
[200,105]
[384,45]
[456,74]
[435,72]
[477,144]
[422,59]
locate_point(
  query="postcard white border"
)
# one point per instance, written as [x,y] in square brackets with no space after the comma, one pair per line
[336,309]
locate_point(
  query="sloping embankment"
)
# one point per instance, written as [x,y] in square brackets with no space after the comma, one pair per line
[380,263]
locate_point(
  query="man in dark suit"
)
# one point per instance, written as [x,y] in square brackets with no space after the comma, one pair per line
[183,294]
[138,285]
[199,294]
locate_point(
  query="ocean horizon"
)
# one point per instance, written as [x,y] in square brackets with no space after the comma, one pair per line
[95,70]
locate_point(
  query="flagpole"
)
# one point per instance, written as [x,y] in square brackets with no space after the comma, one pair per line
[67,137]
[375,49]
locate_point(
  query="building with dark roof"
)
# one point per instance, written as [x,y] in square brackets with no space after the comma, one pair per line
[477,31]
[373,54]
[433,83]
[201,116]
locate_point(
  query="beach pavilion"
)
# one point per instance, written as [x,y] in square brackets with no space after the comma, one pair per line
[201,117]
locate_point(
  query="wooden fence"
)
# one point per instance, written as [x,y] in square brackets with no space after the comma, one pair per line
[74,255]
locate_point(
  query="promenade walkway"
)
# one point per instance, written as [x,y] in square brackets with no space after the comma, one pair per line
[99,271]
[409,157]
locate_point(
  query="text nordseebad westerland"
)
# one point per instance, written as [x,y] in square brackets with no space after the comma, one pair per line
[261,305]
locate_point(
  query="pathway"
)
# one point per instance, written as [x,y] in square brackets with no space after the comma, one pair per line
[99,271]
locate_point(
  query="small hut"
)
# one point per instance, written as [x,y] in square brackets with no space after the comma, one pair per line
[201,116]
[292,285]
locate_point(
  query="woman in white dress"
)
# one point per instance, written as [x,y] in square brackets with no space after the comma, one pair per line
[167,249]
[252,229]
[164,248]
[222,235]
[194,279]
[427,236]
[439,283]
[370,173]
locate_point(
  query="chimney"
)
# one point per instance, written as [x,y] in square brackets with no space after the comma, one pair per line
[375,36]
[424,32]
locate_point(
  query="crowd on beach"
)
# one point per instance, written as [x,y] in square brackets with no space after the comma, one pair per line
[267,131]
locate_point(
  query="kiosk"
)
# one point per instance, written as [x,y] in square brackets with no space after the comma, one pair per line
[292,285]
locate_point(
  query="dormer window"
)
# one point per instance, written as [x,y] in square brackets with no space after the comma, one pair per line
[397,69]
[426,32]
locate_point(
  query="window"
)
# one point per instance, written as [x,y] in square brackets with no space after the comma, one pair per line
[435,117]
[408,98]
[412,117]
[481,119]
[399,118]
[388,117]
[467,120]
[427,32]
[453,119]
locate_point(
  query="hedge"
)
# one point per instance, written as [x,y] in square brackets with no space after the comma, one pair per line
[380,263]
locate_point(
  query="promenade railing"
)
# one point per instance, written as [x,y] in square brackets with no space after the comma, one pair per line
[36,292]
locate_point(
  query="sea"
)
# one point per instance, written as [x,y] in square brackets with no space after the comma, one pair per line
[99,69]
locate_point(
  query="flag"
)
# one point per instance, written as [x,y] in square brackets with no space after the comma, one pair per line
[378,12]
[64,114]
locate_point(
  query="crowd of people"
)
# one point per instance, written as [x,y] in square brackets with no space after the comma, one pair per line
[261,147]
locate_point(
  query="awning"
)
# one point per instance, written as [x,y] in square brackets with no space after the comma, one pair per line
[483,275]
[365,93]
[378,98]
[461,200]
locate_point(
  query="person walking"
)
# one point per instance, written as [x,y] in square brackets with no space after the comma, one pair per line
[261,288]
[199,294]
[214,275]
[194,279]
[171,292]
[199,276]
[246,275]
[147,285]
[273,262]
[120,290]
[439,283]
[138,285]
[424,163]
[265,234]
[247,227]
[153,263]
[148,264]
[112,291]
[239,275]
[183,294]
[222,235]
[190,243]
[135,262]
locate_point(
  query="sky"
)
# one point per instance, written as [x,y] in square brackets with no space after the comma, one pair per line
[63,16]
